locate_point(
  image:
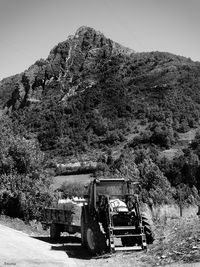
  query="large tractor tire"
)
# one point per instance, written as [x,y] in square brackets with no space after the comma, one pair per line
[83,228]
[54,231]
[95,239]
[132,241]
[147,230]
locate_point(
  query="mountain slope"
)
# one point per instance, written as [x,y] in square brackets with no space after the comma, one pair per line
[92,94]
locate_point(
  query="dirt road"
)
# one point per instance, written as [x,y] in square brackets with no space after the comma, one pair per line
[19,249]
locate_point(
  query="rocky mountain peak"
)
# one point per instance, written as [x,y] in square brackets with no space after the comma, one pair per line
[71,66]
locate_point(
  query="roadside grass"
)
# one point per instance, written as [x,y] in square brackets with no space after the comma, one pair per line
[31,228]
[177,239]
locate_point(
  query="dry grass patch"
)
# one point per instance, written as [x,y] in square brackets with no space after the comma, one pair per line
[32,228]
[177,238]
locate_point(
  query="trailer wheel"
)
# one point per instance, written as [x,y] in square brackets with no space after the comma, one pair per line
[96,240]
[83,230]
[54,231]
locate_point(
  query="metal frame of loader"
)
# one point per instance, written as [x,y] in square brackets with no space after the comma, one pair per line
[113,231]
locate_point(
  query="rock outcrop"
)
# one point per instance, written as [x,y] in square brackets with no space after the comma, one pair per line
[71,66]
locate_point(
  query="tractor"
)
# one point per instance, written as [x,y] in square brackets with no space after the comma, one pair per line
[111,219]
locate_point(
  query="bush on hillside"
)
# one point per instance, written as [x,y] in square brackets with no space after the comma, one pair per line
[154,184]
[23,196]
[23,182]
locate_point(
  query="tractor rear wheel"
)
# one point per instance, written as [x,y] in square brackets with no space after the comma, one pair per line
[95,239]
[54,231]
[147,230]
[132,241]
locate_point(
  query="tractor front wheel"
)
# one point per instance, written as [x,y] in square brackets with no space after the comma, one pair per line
[96,241]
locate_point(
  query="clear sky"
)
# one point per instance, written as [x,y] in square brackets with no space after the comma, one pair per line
[29,29]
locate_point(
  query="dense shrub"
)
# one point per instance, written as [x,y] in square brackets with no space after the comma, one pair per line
[24,186]
[155,185]
[23,196]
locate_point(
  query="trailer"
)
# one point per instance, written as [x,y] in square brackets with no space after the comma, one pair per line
[62,217]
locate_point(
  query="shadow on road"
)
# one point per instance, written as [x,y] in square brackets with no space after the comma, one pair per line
[61,240]
[73,251]
[70,244]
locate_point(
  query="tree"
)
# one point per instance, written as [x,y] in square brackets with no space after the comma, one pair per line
[125,165]
[24,186]
[22,195]
[155,185]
